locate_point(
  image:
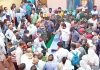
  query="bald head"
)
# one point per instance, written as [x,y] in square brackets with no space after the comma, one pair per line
[40,55]
[29,50]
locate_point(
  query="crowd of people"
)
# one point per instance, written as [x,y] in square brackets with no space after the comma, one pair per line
[26,30]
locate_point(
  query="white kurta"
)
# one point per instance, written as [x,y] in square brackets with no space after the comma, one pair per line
[18,54]
[38,44]
[41,64]
[2,47]
[2,44]
[68,65]
[9,34]
[94,22]
[61,53]
[32,29]
[94,12]
[27,61]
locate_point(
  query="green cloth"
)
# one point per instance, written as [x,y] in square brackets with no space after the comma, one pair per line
[83,20]
[44,58]
[88,30]
[28,9]
[76,19]
[50,41]
[33,49]
[34,18]
[82,15]
[86,48]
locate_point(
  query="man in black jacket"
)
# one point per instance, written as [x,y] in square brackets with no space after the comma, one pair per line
[27,37]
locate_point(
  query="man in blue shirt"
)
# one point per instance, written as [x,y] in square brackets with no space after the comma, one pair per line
[50,65]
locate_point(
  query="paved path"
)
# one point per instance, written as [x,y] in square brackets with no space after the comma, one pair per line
[54,43]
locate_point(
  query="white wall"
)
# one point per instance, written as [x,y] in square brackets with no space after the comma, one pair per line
[97,3]
[57,3]
[8,3]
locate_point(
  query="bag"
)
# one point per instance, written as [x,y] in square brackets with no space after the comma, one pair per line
[75,59]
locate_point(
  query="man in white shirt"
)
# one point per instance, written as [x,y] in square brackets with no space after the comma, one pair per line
[94,21]
[32,29]
[19,52]
[41,63]
[2,51]
[35,62]
[68,25]
[9,33]
[61,52]
[2,42]
[12,13]
[18,15]
[64,34]
[6,12]
[94,11]
[27,58]
[38,43]
[22,11]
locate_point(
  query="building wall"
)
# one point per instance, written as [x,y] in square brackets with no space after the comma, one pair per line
[57,3]
[97,3]
[51,3]
[8,3]
[44,1]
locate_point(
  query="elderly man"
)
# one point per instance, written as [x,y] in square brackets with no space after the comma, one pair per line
[41,63]
[35,62]
[27,58]
[19,52]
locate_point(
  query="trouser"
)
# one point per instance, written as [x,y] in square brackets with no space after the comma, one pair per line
[16,22]
[16,66]
[75,67]
[38,10]
[99,60]
[44,52]
[49,35]
[65,44]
